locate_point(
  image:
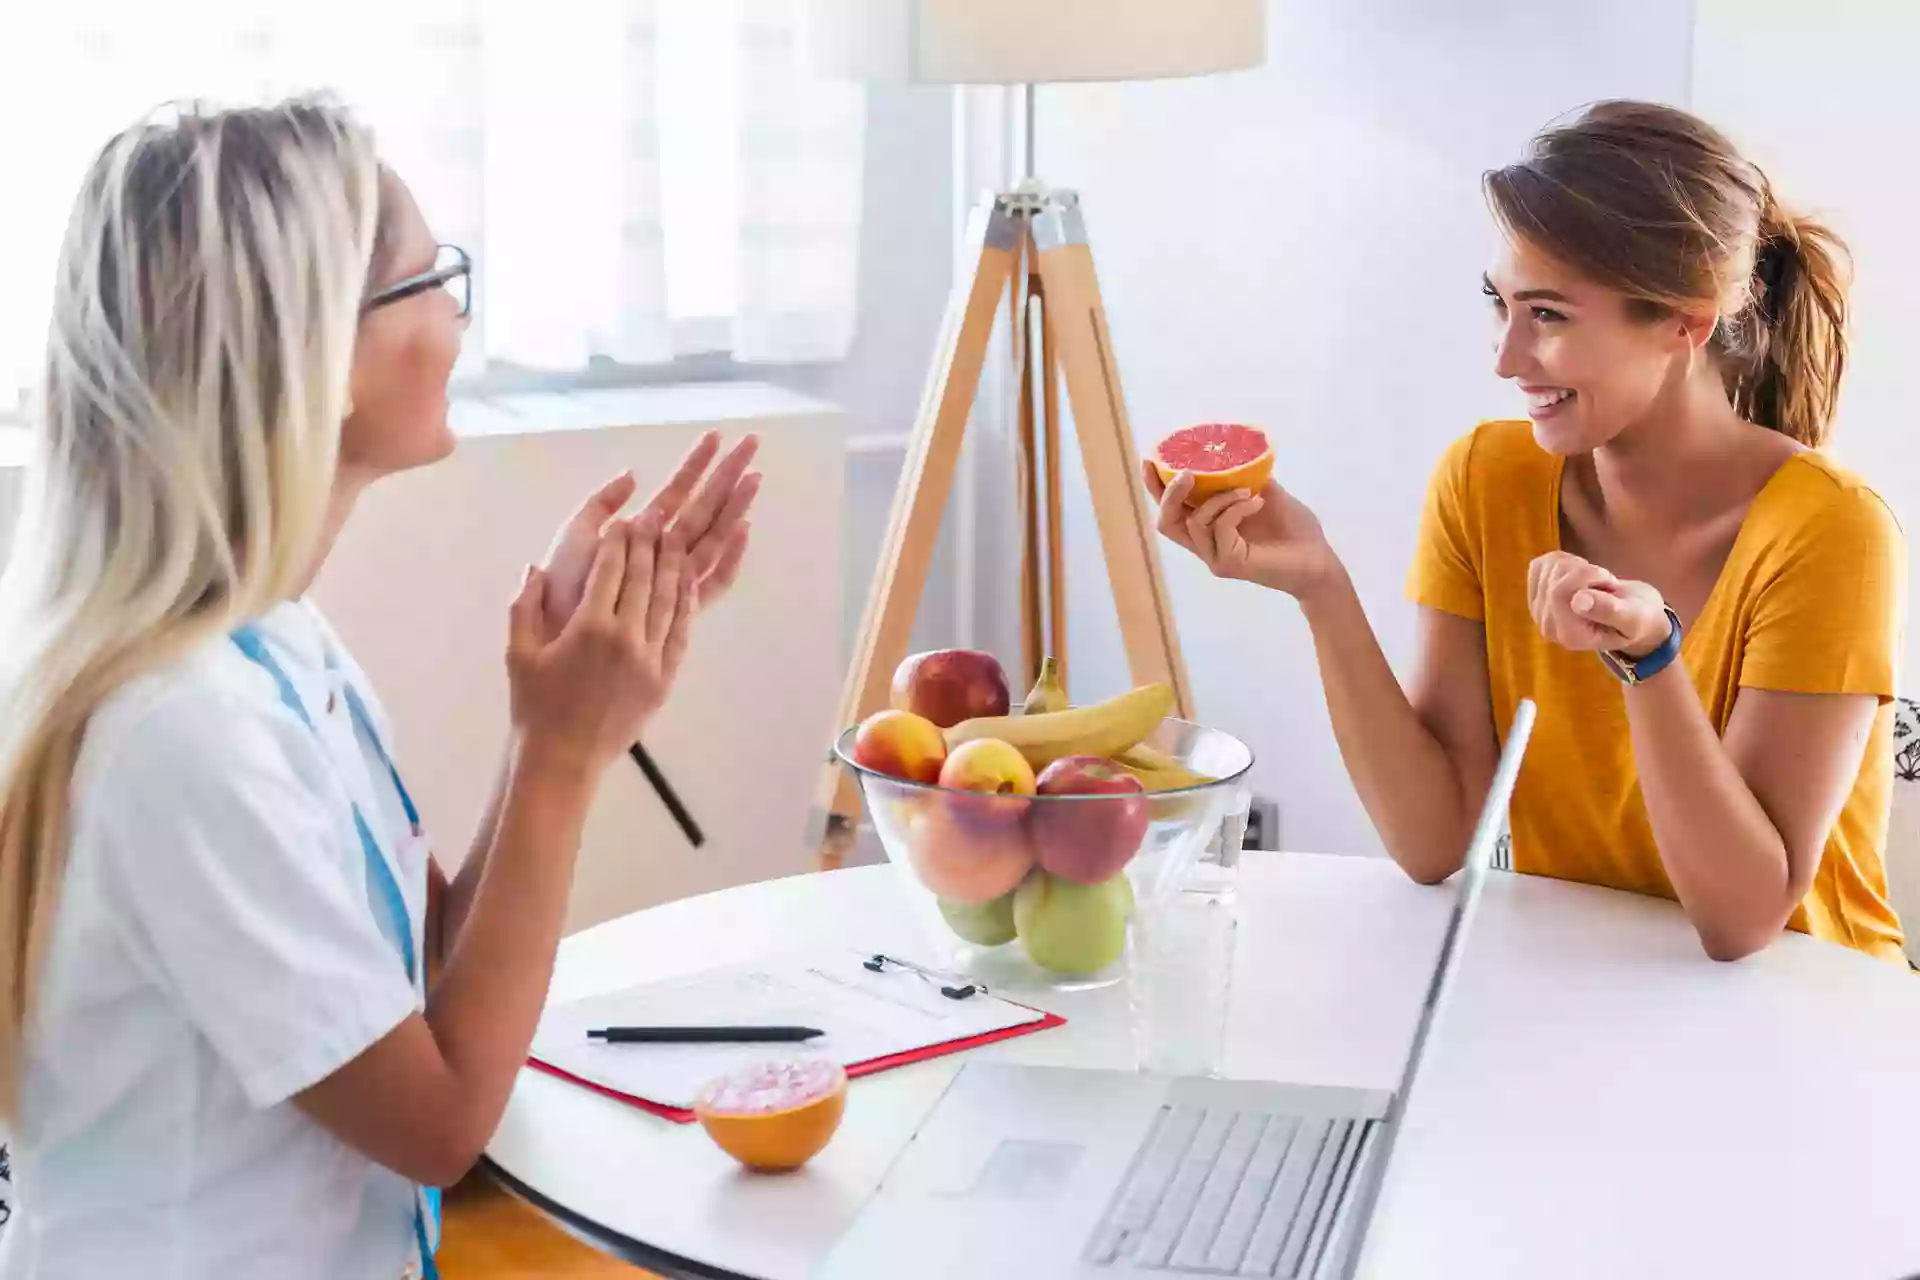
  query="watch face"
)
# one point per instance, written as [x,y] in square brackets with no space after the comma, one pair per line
[1621,668]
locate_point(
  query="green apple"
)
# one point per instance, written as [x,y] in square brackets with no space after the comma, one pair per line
[989,924]
[1073,928]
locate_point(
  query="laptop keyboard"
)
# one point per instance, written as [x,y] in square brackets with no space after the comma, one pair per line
[1231,1193]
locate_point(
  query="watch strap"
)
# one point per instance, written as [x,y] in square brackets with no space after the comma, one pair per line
[1639,670]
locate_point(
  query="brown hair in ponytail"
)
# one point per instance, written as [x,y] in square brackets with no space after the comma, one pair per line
[1657,204]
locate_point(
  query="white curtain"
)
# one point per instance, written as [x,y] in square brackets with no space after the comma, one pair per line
[800,196]
[532,134]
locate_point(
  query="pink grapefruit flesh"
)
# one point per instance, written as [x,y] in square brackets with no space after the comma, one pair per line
[1222,456]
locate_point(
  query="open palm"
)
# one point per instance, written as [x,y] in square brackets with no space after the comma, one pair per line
[712,525]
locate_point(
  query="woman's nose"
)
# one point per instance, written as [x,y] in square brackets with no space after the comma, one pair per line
[1509,354]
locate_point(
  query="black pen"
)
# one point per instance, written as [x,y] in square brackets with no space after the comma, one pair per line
[701,1035]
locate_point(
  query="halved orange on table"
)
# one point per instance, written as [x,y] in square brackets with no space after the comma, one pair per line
[1222,456]
[776,1115]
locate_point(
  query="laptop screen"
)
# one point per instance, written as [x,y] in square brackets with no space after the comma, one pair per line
[1473,877]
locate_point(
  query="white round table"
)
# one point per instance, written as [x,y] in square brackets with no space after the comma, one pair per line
[1600,1100]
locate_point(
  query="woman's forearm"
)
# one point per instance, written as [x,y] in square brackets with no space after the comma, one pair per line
[484,1008]
[1409,784]
[1725,858]
[465,883]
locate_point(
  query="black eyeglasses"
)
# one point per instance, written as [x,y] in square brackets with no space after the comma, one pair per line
[452,271]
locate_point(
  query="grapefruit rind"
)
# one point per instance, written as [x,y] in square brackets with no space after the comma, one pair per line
[762,1130]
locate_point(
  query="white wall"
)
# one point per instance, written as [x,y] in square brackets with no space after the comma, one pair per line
[906,258]
[1300,246]
[1830,109]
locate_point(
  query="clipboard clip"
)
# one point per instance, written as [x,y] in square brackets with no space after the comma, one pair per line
[950,987]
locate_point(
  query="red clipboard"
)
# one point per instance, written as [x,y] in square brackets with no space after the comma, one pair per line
[681,1115]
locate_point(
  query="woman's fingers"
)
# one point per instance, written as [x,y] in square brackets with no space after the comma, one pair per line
[524,633]
[673,495]
[636,593]
[1226,529]
[1151,474]
[1200,522]
[1173,510]
[674,647]
[670,566]
[710,544]
[718,580]
[704,510]
[602,596]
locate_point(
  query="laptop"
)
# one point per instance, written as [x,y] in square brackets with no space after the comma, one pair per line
[1054,1173]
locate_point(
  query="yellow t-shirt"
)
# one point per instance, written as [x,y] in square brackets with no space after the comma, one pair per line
[1811,600]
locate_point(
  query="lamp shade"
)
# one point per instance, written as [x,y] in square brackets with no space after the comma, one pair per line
[1033,41]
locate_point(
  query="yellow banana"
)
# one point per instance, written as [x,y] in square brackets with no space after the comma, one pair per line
[1100,730]
[1048,694]
[1157,770]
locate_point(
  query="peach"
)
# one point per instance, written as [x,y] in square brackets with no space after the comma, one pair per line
[998,771]
[963,863]
[950,685]
[900,745]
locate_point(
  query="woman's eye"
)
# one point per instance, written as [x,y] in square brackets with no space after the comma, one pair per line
[1499,303]
[1547,315]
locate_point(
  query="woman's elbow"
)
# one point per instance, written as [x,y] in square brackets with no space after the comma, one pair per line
[440,1155]
[1729,944]
[440,1164]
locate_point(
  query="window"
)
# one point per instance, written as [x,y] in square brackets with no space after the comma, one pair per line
[592,155]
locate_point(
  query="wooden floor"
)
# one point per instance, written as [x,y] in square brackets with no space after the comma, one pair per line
[487,1234]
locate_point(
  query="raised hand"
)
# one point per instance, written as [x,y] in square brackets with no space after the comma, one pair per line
[1579,605]
[584,690]
[1268,537]
[713,525]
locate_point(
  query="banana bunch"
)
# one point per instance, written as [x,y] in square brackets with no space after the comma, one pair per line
[1049,727]
[1104,729]
[1157,770]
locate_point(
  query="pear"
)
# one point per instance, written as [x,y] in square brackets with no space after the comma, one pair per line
[1072,928]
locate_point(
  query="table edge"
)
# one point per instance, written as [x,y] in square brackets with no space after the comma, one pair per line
[662,1262]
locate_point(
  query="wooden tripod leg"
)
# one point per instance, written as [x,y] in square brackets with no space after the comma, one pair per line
[1056,548]
[1077,322]
[1032,577]
[925,481]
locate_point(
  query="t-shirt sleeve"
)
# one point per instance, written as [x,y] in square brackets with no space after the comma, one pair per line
[1830,619]
[227,867]
[1444,574]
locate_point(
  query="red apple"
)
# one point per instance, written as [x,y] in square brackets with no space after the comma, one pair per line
[1088,840]
[998,771]
[950,685]
[900,745]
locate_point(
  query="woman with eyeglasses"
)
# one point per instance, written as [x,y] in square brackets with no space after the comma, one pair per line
[247,1025]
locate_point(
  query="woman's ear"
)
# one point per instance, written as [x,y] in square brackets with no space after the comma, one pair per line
[1696,328]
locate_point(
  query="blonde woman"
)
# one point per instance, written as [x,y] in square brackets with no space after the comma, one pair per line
[246,1024]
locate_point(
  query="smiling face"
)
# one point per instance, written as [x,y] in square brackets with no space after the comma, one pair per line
[404,354]
[1591,361]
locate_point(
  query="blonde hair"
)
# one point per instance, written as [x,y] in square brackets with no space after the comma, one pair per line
[196,375]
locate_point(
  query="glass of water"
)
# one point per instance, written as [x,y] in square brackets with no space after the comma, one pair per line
[1180,979]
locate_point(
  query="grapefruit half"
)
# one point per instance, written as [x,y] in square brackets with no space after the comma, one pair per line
[1221,455]
[774,1115]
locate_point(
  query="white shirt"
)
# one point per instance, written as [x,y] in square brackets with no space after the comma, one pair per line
[213,955]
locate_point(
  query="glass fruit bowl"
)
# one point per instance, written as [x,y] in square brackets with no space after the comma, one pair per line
[1037,890]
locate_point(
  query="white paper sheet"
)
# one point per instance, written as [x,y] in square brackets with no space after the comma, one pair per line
[865,1015]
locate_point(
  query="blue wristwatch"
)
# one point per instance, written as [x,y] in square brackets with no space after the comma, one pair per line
[1646,667]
